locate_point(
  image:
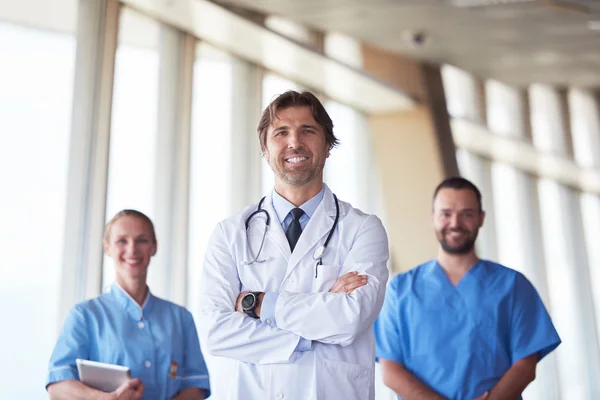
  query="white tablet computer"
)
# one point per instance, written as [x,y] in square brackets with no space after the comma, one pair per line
[102,376]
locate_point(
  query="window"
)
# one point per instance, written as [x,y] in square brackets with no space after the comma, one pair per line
[590,209]
[462,94]
[210,164]
[585,128]
[342,167]
[505,110]
[349,171]
[568,292]
[506,207]
[134,122]
[547,114]
[210,179]
[36,89]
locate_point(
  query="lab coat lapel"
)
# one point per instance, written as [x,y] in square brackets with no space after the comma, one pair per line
[276,233]
[316,230]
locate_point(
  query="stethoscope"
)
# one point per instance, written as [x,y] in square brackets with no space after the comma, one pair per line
[317,255]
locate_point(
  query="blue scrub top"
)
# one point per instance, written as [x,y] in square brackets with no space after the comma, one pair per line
[461,340]
[113,328]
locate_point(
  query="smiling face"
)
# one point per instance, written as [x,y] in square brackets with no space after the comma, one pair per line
[131,244]
[456,219]
[296,148]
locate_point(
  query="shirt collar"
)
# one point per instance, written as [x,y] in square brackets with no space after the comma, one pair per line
[283,207]
[129,304]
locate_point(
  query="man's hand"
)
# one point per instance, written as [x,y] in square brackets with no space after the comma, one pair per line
[130,390]
[349,282]
[483,396]
[190,393]
[238,303]
[515,380]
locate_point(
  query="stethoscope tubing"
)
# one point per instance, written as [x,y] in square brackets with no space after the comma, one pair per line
[318,254]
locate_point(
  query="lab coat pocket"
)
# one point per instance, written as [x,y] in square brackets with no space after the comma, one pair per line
[324,277]
[342,380]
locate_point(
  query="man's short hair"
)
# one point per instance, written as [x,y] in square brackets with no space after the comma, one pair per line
[292,98]
[458,183]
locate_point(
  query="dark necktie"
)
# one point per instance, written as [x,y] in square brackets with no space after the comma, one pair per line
[295,229]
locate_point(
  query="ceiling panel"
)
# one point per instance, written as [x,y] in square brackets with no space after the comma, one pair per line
[517,42]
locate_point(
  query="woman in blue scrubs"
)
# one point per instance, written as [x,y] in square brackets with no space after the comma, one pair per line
[129,326]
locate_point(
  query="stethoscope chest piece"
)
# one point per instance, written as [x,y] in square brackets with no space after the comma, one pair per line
[319,252]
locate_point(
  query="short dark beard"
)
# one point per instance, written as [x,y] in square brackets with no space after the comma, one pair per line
[465,248]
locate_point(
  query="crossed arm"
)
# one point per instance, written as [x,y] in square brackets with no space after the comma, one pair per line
[342,316]
[344,284]
[509,387]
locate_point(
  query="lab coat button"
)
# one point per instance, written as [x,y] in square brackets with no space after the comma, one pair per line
[268,321]
[140,324]
[279,396]
[148,364]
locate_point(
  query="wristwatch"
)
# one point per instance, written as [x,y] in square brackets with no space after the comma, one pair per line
[249,303]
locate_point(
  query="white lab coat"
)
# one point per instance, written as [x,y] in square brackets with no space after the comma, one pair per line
[340,326]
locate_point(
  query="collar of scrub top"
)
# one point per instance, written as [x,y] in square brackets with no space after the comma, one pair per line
[438,284]
[129,304]
[283,207]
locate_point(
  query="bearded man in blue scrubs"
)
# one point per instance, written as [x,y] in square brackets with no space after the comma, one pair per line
[458,327]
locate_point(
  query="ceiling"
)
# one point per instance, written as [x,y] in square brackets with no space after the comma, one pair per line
[516,41]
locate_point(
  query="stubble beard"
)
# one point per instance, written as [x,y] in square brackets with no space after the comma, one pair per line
[298,178]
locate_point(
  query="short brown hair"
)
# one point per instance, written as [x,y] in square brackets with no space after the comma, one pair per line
[459,183]
[129,213]
[292,98]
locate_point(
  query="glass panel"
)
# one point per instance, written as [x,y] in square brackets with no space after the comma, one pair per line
[36,90]
[462,94]
[520,248]
[571,306]
[210,179]
[590,209]
[547,120]
[506,207]
[210,166]
[342,167]
[134,118]
[585,128]
[505,110]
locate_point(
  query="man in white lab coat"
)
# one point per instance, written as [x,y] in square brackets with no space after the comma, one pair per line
[291,286]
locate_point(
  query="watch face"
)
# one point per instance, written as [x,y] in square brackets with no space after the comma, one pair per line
[248,301]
